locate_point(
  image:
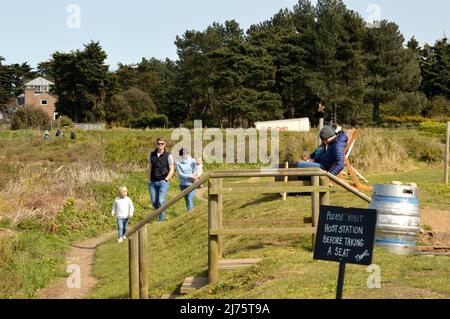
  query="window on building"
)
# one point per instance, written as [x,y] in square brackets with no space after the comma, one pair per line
[44,102]
[37,88]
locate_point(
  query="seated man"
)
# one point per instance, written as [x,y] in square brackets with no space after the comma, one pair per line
[331,159]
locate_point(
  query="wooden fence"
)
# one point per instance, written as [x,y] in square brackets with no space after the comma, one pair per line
[319,188]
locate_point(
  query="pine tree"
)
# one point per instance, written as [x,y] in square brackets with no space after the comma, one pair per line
[391,68]
[82,82]
[435,66]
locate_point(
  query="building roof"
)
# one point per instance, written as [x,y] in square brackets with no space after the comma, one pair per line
[39,81]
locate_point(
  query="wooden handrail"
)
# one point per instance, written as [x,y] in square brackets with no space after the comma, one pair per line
[168,204]
[349,188]
[246,173]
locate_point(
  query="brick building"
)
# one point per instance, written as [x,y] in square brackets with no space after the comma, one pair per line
[37,94]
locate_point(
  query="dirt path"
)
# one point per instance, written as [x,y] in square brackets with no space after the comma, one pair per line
[82,255]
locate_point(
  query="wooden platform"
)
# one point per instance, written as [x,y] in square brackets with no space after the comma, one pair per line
[237,263]
[191,284]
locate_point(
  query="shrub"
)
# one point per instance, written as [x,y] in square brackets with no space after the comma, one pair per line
[150,120]
[433,128]
[30,117]
[66,121]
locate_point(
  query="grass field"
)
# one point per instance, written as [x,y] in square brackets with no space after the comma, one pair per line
[178,249]
[53,194]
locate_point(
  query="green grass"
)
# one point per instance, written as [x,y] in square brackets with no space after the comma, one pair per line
[178,249]
[32,258]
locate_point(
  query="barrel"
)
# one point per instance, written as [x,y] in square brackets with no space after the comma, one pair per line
[398,221]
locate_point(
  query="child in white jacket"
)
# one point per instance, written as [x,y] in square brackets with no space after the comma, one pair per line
[123,210]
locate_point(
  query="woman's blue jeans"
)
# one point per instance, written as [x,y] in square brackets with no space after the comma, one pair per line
[158,193]
[189,198]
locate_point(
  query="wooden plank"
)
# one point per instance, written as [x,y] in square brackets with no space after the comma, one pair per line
[447,152]
[191,284]
[286,178]
[133,266]
[264,184]
[244,222]
[315,206]
[263,231]
[281,188]
[307,220]
[238,263]
[269,172]
[143,263]
[168,204]
[213,239]
[220,217]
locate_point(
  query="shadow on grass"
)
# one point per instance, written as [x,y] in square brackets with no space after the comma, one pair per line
[265,199]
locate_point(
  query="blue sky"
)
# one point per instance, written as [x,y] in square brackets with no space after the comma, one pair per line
[129,30]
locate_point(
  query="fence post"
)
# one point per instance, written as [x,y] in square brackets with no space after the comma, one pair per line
[325,197]
[285,179]
[133,264]
[213,223]
[447,152]
[143,263]
[219,213]
[315,206]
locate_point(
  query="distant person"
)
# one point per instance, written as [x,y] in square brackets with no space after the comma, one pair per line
[59,133]
[330,155]
[123,210]
[160,169]
[46,135]
[72,135]
[186,173]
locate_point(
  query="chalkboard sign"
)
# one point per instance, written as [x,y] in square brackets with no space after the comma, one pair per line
[345,235]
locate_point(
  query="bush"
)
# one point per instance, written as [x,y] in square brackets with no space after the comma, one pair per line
[412,119]
[30,117]
[66,121]
[433,128]
[150,120]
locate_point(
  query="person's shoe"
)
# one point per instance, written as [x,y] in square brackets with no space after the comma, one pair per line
[124,237]
[120,240]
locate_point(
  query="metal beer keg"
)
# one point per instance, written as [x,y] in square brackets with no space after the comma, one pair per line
[398,221]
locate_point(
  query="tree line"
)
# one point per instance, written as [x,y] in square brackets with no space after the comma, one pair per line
[311,61]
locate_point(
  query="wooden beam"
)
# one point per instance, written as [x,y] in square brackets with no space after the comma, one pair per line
[143,263]
[168,204]
[286,178]
[269,172]
[349,188]
[263,231]
[133,266]
[315,205]
[213,238]
[262,189]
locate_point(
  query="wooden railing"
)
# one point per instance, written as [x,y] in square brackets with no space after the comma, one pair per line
[320,195]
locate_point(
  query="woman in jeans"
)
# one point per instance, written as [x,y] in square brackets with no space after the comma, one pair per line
[185,169]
